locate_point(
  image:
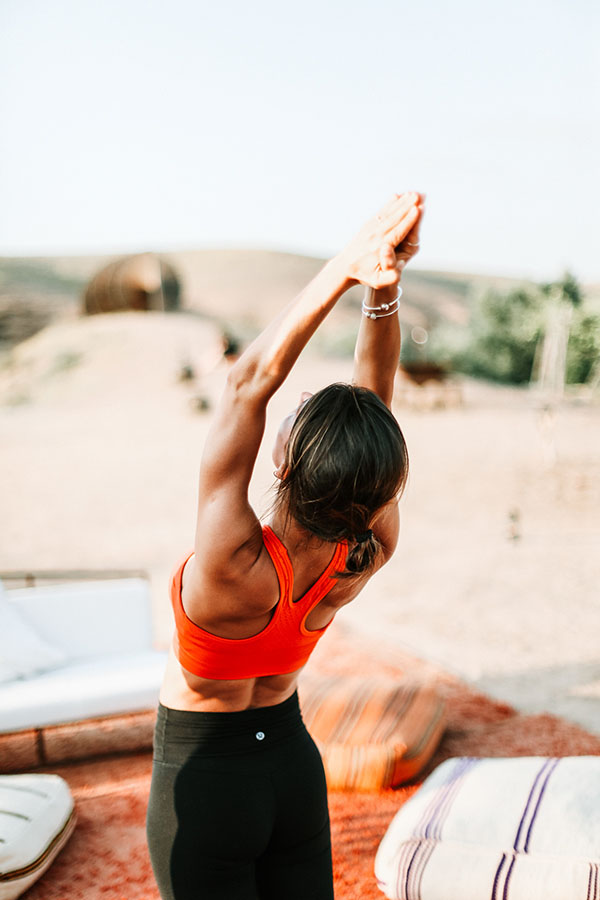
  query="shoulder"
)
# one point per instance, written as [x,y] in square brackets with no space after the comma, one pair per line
[246,584]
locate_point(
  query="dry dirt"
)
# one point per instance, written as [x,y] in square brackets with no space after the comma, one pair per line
[497,574]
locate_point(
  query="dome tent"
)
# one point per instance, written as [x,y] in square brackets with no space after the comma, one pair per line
[142,282]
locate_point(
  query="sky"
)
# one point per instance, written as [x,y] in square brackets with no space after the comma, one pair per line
[138,124]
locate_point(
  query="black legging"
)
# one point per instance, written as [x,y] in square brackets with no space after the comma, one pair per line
[238,807]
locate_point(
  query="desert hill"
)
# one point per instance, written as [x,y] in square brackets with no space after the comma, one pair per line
[236,289]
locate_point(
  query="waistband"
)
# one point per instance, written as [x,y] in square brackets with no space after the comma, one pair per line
[228,732]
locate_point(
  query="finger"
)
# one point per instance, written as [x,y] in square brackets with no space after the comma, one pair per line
[387,257]
[387,277]
[405,202]
[391,204]
[397,206]
[421,209]
[413,235]
[411,242]
[402,228]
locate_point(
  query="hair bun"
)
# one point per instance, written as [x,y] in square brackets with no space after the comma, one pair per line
[364,537]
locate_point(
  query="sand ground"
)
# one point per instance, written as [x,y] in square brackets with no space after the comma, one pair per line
[497,574]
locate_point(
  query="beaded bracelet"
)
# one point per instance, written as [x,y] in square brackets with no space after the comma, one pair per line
[384,309]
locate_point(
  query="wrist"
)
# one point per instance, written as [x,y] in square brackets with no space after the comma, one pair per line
[341,266]
[386,294]
[376,306]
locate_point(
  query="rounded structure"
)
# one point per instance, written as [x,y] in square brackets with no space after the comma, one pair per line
[142,282]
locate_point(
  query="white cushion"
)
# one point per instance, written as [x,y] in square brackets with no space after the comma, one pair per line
[89,618]
[36,821]
[527,828]
[82,690]
[22,651]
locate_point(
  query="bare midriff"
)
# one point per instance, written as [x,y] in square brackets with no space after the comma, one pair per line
[182,690]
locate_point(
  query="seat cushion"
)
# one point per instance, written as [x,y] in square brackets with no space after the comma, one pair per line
[36,820]
[372,733]
[526,828]
[83,690]
[23,651]
[88,619]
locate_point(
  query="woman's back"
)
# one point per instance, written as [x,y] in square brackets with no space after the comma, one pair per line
[230,655]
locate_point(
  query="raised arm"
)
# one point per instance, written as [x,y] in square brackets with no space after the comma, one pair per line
[226,522]
[378,344]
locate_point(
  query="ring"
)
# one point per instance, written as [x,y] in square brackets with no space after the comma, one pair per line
[412,244]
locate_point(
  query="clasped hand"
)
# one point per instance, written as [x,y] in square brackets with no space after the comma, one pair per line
[383,246]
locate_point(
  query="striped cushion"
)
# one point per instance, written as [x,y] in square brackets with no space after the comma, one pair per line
[36,821]
[500,829]
[372,733]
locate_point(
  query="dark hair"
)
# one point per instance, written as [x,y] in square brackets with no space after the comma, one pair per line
[345,459]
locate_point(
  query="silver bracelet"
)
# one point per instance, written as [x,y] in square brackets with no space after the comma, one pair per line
[372,315]
[382,305]
[384,309]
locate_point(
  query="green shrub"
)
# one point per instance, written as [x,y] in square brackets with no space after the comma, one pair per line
[583,352]
[506,329]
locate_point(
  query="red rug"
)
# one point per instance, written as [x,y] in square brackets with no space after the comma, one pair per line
[106,859]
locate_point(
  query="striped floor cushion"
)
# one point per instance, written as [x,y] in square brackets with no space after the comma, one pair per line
[372,733]
[36,821]
[499,829]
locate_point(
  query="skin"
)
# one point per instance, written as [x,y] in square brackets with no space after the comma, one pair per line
[229,585]
[283,434]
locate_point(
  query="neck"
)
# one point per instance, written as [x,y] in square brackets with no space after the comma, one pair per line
[293,534]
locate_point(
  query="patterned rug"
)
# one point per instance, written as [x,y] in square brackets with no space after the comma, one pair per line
[106,859]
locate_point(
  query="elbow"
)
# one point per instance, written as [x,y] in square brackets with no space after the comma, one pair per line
[239,376]
[247,383]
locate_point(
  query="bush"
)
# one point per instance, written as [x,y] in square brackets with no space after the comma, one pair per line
[507,328]
[583,353]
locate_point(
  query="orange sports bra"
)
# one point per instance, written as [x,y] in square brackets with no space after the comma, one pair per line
[283,646]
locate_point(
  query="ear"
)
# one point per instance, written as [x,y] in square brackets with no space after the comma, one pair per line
[304,396]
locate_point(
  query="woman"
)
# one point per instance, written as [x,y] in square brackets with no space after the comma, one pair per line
[238,805]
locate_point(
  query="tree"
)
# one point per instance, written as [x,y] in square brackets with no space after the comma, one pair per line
[506,329]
